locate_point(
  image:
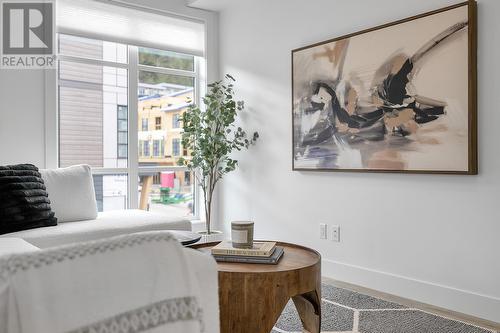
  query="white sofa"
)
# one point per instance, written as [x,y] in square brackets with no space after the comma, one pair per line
[202,268]
[73,200]
[10,245]
[71,191]
[107,224]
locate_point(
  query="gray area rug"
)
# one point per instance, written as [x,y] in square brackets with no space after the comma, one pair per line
[344,310]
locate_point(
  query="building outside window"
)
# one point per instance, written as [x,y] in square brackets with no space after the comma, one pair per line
[157,123]
[97,90]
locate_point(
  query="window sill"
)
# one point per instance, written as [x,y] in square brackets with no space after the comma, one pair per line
[197,225]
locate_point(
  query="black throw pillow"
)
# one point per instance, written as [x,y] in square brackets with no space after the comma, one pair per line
[24,202]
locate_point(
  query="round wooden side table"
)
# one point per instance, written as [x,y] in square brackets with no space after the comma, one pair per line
[252,296]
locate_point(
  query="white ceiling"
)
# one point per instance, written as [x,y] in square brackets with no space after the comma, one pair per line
[214,5]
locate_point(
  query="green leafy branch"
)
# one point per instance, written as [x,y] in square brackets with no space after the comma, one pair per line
[211,136]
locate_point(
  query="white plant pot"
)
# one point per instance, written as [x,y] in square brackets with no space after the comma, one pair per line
[214,236]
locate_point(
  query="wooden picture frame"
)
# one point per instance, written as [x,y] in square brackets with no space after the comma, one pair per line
[359,101]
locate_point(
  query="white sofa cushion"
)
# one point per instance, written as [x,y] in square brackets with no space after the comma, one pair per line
[107,224]
[11,245]
[71,192]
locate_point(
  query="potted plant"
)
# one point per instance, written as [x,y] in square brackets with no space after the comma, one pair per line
[211,136]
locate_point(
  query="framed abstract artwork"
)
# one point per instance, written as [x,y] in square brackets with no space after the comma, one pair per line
[400,97]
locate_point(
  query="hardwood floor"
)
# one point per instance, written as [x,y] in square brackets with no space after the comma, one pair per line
[418,305]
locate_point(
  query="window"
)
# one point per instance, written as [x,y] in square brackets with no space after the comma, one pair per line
[96,110]
[145,124]
[176,147]
[122,131]
[141,148]
[146,148]
[122,112]
[175,121]
[158,148]
[111,191]
[169,88]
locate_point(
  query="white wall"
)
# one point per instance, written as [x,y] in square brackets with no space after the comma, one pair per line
[22,96]
[446,250]
[22,117]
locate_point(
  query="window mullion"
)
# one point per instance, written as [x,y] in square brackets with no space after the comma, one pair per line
[109,171]
[95,62]
[197,202]
[133,156]
[164,70]
[51,119]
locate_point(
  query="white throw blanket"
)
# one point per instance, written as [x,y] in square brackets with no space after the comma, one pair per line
[126,284]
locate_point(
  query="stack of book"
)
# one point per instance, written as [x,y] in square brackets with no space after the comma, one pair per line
[261,253]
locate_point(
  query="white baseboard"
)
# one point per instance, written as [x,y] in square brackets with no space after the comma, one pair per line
[467,302]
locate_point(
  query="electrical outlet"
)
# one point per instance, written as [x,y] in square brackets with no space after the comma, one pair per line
[335,233]
[323,231]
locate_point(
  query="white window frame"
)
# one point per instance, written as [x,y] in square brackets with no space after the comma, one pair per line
[206,67]
[133,169]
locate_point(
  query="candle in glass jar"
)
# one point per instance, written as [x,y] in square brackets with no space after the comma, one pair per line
[242,234]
